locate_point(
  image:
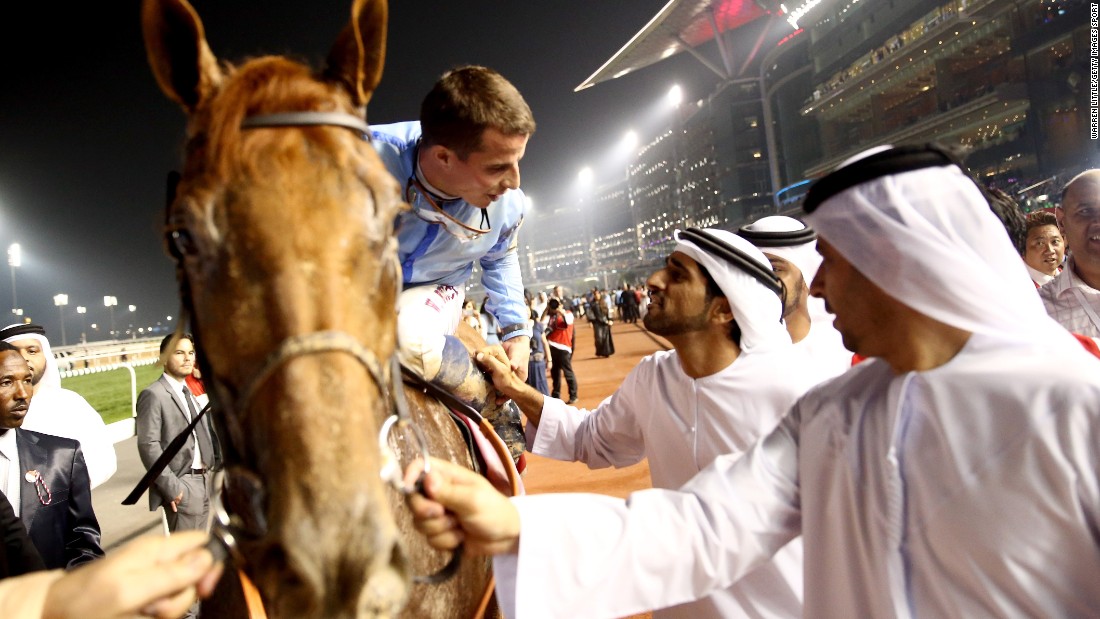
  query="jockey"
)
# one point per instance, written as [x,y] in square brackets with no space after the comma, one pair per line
[459,166]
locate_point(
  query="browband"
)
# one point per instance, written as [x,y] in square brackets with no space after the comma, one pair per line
[894,161]
[306,119]
[776,238]
[716,246]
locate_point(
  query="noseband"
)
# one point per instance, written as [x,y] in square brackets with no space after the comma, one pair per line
[228,528]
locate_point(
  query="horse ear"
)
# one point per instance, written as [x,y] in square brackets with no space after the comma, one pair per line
[175,43]
[357,56]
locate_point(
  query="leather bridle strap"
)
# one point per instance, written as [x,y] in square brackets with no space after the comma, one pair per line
[308,119]
[318,342]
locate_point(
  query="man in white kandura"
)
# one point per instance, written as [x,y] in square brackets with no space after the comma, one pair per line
[58,411]
[731,376]
[952,474]
[789,245]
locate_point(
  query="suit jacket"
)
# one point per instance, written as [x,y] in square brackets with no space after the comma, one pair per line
[65,532]
[19,555]
[161,418]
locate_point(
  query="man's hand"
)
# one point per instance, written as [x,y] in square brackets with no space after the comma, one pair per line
[151,576]
[462,506]
[176,501]
[509,384]
[519,351]
[495,361]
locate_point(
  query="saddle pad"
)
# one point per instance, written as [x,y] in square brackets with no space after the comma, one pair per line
[500,471]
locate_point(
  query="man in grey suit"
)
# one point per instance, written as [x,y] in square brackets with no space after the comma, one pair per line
[164,410]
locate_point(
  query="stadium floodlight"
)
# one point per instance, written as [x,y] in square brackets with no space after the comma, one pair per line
[61,300]
[110,303]
[15,259]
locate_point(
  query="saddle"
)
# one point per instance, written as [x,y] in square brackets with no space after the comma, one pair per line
[491,453]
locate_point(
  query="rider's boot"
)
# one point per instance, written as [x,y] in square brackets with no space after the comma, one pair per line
[459,374]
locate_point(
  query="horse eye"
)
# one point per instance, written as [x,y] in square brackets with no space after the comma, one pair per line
[181,244]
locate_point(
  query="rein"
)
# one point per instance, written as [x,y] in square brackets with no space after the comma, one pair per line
[228,527]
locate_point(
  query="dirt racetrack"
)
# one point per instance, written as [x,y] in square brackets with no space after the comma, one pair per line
[597,378]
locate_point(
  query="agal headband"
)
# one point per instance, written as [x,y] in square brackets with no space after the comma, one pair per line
[886,163]
[717,247]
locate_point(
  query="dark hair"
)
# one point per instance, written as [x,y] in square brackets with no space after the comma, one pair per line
[468,100]
[171,336]
[714,291]
[1012,218]
[1038,219]
[5,346]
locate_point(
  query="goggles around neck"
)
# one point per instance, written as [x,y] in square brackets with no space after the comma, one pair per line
[436,215]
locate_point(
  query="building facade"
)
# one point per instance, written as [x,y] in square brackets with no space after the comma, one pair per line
[1005,81]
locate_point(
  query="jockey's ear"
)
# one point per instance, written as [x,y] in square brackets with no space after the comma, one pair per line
[175,44]
[357,57]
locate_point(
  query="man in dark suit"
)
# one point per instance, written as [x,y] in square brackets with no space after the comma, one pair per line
[164,410]
[44,477]
[18,555]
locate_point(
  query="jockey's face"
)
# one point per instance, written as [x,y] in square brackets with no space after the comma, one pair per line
[486,173]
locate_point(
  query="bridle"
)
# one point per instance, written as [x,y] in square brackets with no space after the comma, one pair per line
[229,528]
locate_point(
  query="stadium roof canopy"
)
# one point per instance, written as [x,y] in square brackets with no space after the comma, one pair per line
[682,25]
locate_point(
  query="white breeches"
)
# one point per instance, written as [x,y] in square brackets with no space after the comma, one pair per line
[426,316]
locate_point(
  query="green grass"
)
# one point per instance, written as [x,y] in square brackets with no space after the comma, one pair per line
[110,392]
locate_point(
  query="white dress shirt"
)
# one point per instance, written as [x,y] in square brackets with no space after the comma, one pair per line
[9,469]
[1072,303]
[177,388]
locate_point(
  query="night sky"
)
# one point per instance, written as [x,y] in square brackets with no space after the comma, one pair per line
[86,137]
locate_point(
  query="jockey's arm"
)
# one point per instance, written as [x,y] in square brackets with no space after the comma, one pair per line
[500,275]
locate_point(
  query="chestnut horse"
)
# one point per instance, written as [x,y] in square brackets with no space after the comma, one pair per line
[281,225]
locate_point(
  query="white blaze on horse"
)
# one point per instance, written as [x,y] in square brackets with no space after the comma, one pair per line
[281,225]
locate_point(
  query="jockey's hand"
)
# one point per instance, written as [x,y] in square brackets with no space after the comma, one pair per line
[519,351]
[462,506]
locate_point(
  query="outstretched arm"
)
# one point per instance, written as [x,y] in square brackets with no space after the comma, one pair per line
[152,577]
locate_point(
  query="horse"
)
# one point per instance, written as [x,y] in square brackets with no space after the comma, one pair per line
[281,225]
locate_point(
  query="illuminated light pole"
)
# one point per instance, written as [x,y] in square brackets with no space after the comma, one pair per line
[675,96]
[133,333]
[110,303]
[80,309]
[586,177]
[61,300]
[15,258]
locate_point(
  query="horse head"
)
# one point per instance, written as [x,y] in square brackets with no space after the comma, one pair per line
[282,229]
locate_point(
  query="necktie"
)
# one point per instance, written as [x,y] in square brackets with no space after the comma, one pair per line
[206,446]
